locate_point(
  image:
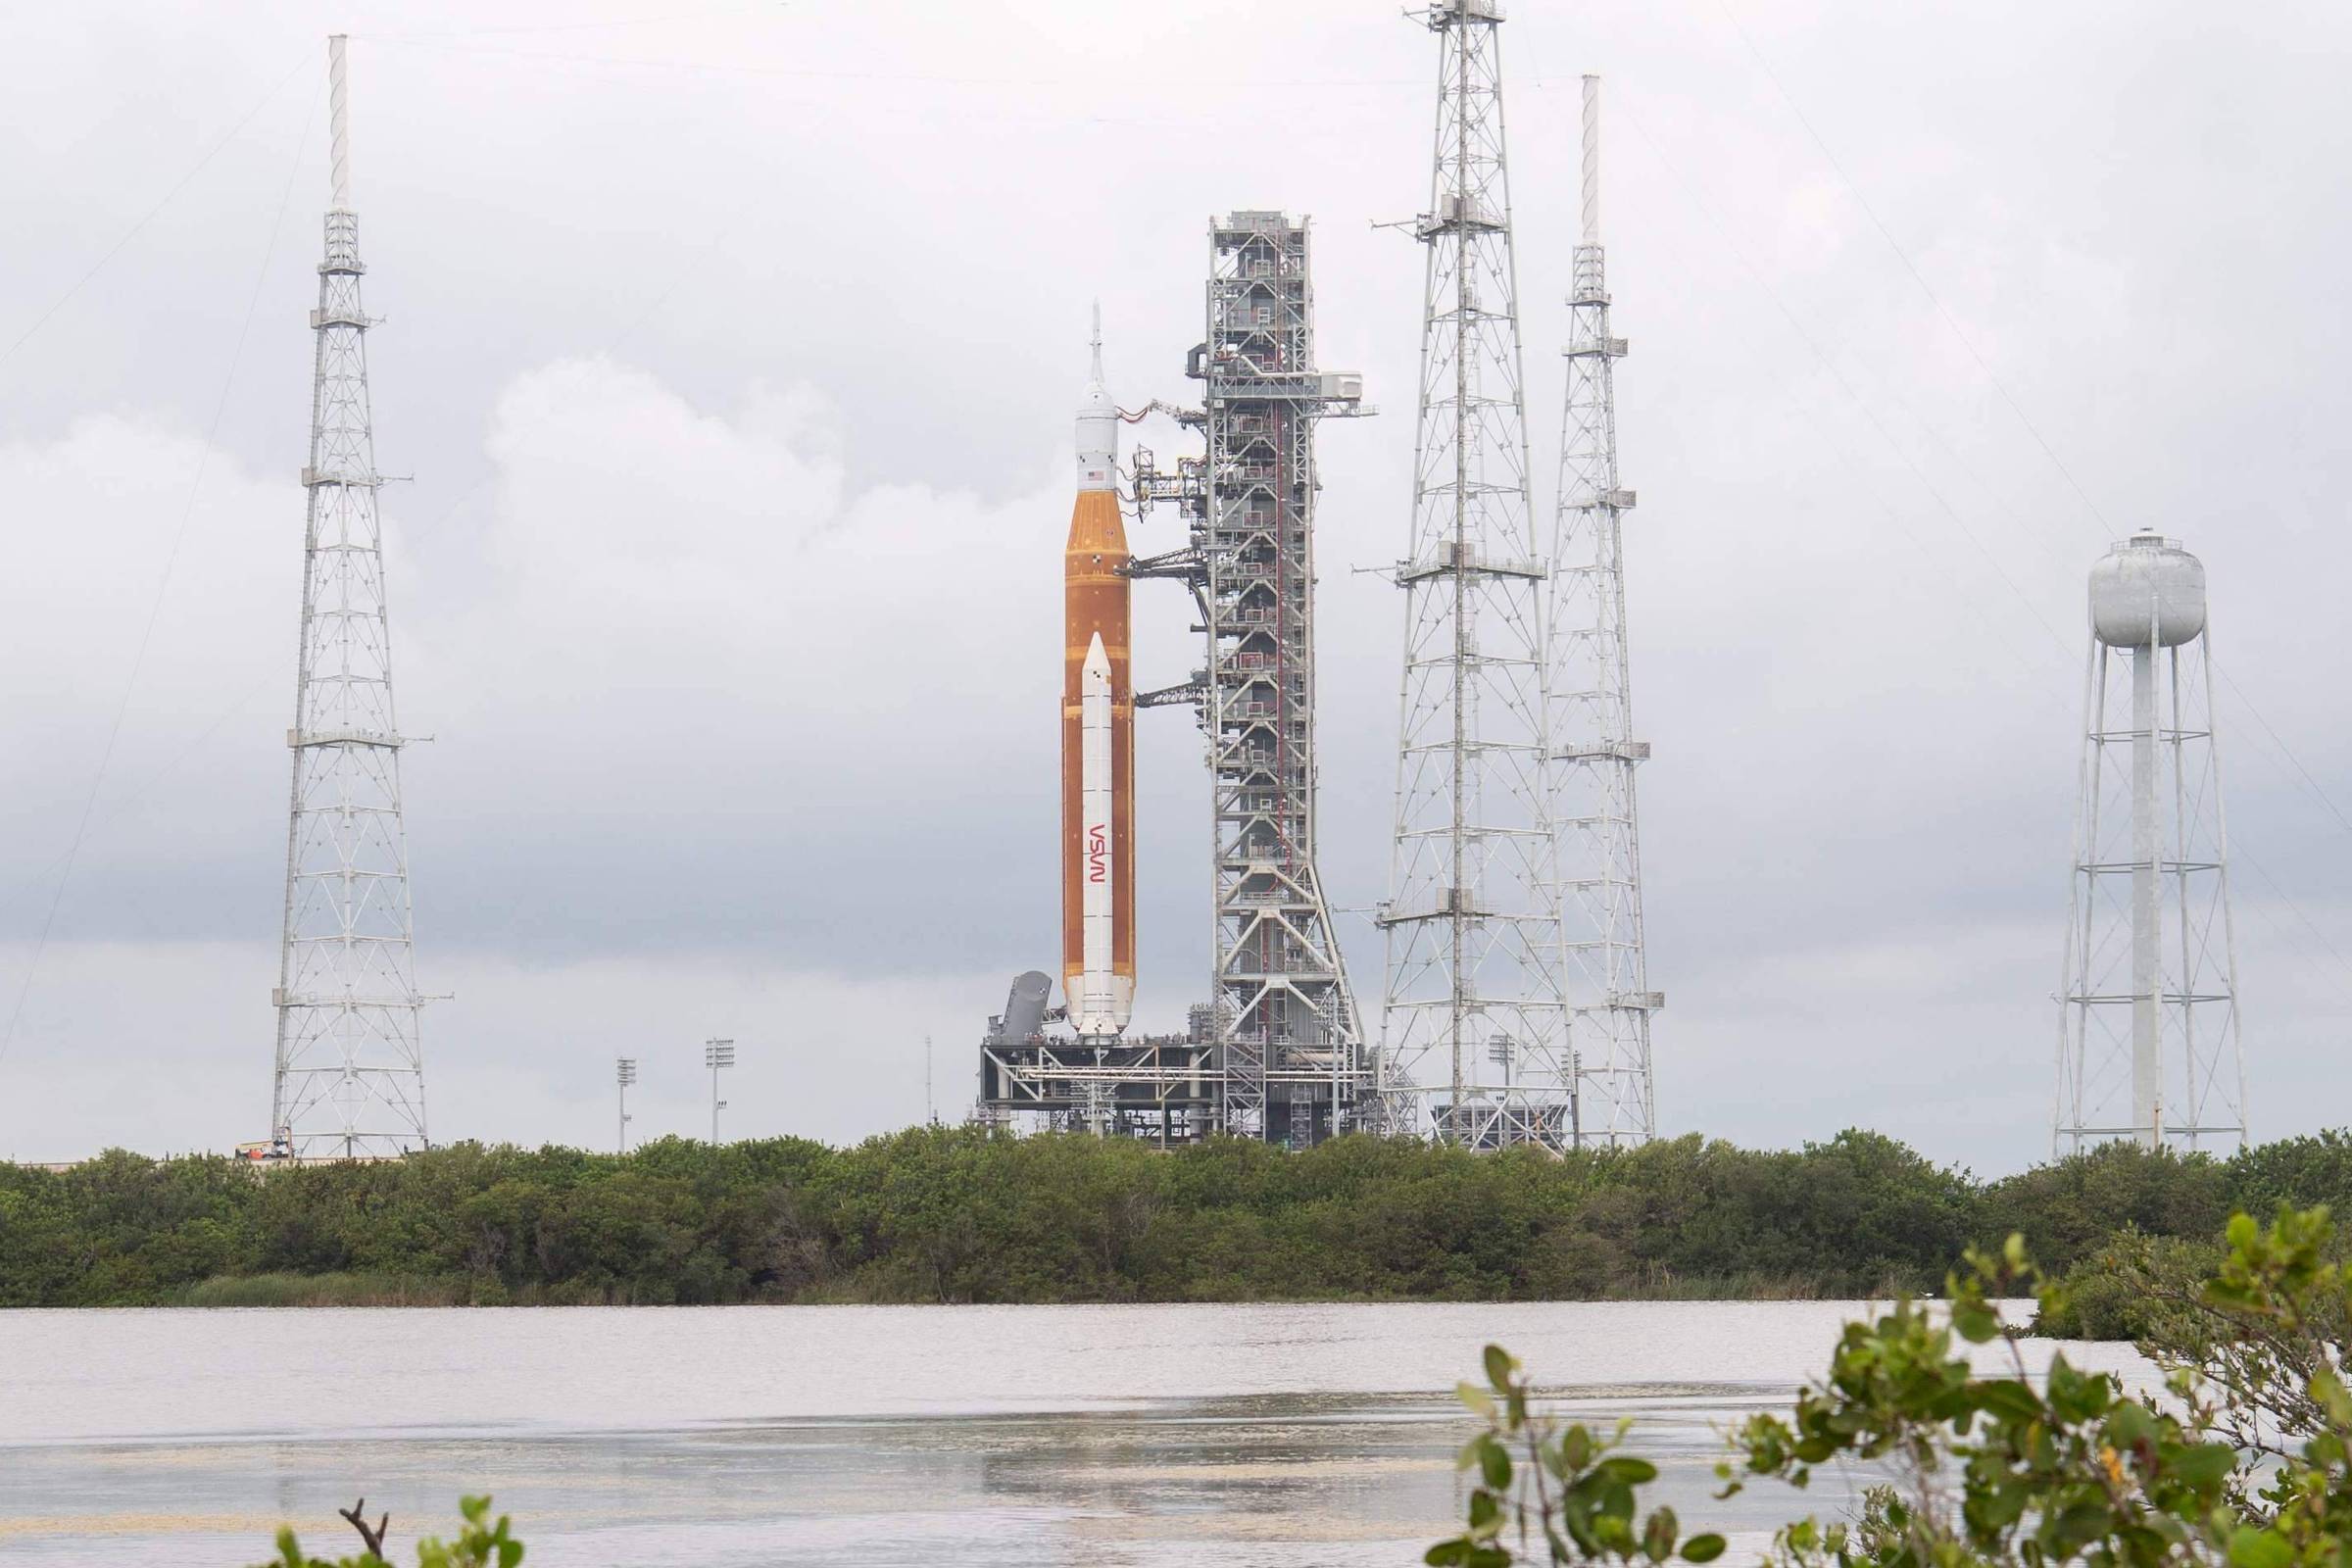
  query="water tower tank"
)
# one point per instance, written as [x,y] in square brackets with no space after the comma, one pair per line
[2147,579]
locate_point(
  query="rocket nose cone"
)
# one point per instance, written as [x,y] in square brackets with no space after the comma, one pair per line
[1098,424]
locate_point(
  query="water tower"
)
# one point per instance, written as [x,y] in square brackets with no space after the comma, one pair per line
[2148,1028]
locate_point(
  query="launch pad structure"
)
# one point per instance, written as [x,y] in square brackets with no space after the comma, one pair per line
[1277,1053]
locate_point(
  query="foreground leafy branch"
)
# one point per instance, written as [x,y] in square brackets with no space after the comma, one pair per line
[479,1544]
[2247,1464]
[1559,1487]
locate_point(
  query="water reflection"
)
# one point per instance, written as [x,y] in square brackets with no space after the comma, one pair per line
[799,1435]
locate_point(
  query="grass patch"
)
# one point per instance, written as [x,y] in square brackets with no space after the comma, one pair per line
[323,1290]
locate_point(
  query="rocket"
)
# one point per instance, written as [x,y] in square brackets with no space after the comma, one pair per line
[1098,734]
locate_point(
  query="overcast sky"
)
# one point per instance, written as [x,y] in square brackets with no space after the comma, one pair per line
[733,356]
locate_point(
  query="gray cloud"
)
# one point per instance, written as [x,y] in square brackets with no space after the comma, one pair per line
[734,355]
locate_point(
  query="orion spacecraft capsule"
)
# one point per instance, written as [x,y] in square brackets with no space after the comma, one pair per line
[1098,734]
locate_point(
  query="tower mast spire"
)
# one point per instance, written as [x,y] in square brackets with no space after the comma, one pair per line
[1605,968]
[1473,1031]
[350,1069]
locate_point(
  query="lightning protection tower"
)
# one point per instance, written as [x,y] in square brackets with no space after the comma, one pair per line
[1473,1032]
[2148,1028]
[1604,973]
[350,1077]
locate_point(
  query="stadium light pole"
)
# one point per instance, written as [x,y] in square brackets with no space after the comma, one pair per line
[626,1076]
[717,1053]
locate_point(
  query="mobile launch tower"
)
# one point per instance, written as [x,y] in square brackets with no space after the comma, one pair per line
[1284,1019]
[350,1068]
[1474,1034]
[2148,1029]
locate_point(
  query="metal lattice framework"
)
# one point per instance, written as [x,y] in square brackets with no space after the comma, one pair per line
[1286,1020]
[1604,968]
[2149,1045]
[1474,1030]
[1282,1020]
[349,1075]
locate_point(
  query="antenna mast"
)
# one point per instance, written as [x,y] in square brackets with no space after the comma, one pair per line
[350,1070]
[1604,970]
[1473,1025]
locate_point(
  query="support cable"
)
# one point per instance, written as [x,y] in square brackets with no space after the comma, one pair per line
[1731,246]
[1763,64]
[1952,322]
[132,233]
[179,534]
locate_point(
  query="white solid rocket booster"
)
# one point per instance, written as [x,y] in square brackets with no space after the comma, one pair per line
[1099,1012]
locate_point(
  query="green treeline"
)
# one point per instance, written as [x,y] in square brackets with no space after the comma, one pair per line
[956,1215]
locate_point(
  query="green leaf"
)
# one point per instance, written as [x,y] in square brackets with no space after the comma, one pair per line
[1626,1470]
[2076,1526]
[1476,1397]
[2206,1464]
[1494,1464]
[2008,1397]
[2129,1424]
[1703,1549]
[1658,1536]
[1577,1516]
[1976,1322]
[2328,1391]
[1499,1367]
[2250,1547]
[1446,1553]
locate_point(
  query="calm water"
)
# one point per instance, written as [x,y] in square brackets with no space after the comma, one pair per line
[1098,1435]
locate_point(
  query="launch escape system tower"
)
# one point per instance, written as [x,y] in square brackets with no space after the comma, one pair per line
[1276,1052]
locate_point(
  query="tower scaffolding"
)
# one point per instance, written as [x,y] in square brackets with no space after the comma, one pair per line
[1473,1032]
[1605,968]
[1285,1019]
[350,1064]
